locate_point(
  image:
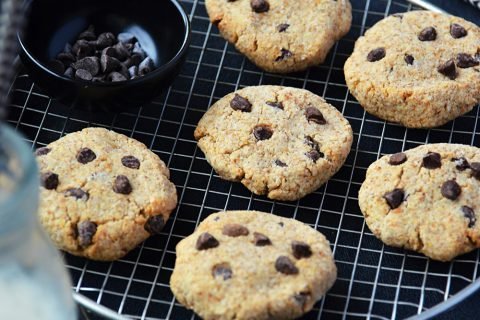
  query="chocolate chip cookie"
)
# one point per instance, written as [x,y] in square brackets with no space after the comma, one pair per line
[282,35]
[102,193]
[420,69]
[425,199]
[252,265]
[280,142]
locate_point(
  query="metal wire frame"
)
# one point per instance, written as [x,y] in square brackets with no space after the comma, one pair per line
[374,281]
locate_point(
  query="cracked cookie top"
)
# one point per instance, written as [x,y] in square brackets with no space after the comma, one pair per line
[278,141]
[425,199]
[102,193]
[282,35]
[252,265]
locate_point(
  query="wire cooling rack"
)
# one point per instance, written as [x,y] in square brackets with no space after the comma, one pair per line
[374,281]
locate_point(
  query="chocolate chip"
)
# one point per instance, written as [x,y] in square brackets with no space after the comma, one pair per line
[397,159]
[301,250]
[470,215]
[310,142]
[465,60]
[274,104]
[314,155]
[42,151]
[302,298]
[56,66]
[49,180]
[86,155]
[451,190]
[240,103]
[206,241]
[428,34]
[77,193]
[104,40]
[314,115]
[283,27]
[66,58]
[84,75]
[457,31]
[137,50]
[122,185]
[110,51]
[394,198]
[91,64]
[284,265]
[116,77]
[260,6]
[262,132]
[69,73]
[284,54]
[86,230]
[409,59]
[154,225]
[376,54]
[280,163]
[281,224]
[108,63]
[88,34]
[461,163]
[126,37]
[222,271]
[432,160]
[234,230]
[146,66]
[122,51]
[261,240]
[131,162]
[448,69]
[475,166]
[82,49]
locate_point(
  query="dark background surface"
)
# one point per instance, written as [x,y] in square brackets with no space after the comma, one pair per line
[459,8]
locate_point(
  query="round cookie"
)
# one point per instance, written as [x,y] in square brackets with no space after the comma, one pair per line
[419,69]
[425,199]
[282,35]
[102,193]
[278,141]
[252,265]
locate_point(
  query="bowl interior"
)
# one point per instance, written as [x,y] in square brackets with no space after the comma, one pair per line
[158,25]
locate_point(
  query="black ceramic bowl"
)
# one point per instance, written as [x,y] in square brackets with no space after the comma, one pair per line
[161,26]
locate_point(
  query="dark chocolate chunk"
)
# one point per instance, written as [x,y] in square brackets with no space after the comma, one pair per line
[122,51]
[91,64]
[274,104]
[314,155]
[49,180]
[69,73]
[461,163]
[432,160]
[66,58]
[376,54]
[281,224]
[82,49]
[108,63]
[457,31]
[86,230]
[131,162]
[222,271]
[42,151]
[110,51]
[260,6]
[475,166]
[261,240]
[409,59]
[241,104]
[397,159]
[465,60]
[470,215]
[116,77]
[283,27]
[83,75]
[284,265]
[301,249]
[154,225]
[146,66]
[104,40]
[302,298]
[314,115]
[448,69]
[137,50]
[88,34]
[262,132]
[280,163]
[428,34]
[77,193]
[451,190]
[126,37]
[394,198]
[284,54]
[85,155]
[310,142]
[56,66]
[206,241]
[122,185]
[234,230]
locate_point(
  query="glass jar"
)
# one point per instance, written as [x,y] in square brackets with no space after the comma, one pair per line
[33,281]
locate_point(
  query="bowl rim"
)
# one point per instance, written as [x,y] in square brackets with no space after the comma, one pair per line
[169,64]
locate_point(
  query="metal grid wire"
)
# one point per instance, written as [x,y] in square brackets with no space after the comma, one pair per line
[374,281]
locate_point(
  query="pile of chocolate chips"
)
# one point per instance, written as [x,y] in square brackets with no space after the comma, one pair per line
[105,58]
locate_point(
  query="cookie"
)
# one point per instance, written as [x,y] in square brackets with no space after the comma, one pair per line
[282,35]
[252,265]
[425,199]
[280,142]
[102,193]
[419,69]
